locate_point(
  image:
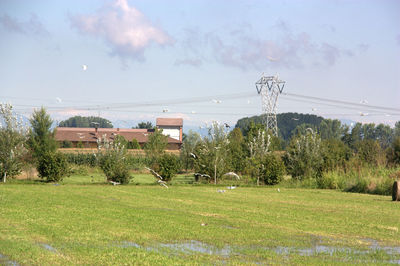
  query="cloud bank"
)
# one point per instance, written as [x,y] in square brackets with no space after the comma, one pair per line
[31,27]
[125,29]
[240,48]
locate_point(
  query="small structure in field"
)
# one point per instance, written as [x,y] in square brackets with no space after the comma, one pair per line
[396,191]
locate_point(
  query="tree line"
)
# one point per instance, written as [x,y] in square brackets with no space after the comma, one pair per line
[37,145]
[314,148]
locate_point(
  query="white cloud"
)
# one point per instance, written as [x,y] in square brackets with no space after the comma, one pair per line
[241,49]
[124,28]
[33,26]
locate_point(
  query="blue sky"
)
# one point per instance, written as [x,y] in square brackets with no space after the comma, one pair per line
[158,51]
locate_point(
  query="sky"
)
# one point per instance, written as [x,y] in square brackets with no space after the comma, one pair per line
[135,60]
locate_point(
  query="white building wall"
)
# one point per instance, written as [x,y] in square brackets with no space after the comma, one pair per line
[173,132]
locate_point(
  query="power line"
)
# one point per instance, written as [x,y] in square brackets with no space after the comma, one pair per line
[343,102]
[287,96]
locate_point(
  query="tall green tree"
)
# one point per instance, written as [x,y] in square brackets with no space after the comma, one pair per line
[190,141]
[370,152]
[394,151]
[155,145]
[331,129]
[353,136]
[384,135]
[397,129]
[12,138]
[335,154]
[303,157]
[212,152]
[254,129]
[50,164]
[262,165]
[236,150]
[258,146]
[41,136]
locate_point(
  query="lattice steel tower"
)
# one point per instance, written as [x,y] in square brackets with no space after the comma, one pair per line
[270,87]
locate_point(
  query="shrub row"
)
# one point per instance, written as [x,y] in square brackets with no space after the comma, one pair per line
[90,159]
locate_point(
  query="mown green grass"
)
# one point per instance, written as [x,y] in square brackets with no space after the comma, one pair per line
[89,222]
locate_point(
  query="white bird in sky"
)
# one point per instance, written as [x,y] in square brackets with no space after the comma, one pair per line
[84,67]
[58,99]
[217,101]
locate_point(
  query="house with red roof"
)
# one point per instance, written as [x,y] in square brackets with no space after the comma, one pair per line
[87,137]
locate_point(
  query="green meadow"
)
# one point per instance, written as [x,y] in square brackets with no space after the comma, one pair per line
[82,220]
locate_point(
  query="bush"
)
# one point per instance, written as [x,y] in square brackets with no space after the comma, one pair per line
[168,165]
[66,144]
[88,159]
[114,167]
[359,186]
[370,152]
[332,180]
[273,170]
[304,156]
[335,154]
[393,153]
[112,160]
[52,166]
[134,144]
[362,179]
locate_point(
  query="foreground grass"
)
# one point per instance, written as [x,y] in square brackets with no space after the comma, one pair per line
[93,223]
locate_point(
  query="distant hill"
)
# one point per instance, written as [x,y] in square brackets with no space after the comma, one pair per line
[287,122]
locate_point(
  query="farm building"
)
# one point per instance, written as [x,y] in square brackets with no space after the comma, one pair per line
[87,137]
[171,127]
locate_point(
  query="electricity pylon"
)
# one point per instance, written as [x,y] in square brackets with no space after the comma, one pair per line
[270,87]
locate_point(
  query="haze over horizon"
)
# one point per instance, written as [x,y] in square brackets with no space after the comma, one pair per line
[136,60]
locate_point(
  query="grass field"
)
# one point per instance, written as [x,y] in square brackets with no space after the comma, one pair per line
[84,221]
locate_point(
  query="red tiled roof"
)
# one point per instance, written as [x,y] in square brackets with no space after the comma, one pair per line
[169,122]
[74,134]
